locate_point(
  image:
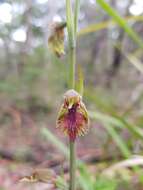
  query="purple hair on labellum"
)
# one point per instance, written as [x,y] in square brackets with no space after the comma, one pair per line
[73,117]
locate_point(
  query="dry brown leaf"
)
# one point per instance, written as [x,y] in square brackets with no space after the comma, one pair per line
[40,175]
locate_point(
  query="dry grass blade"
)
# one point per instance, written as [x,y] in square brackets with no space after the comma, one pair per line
[106,24]
[128,163]
[135,61]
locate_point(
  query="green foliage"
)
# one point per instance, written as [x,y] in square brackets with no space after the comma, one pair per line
[52,138]
[89,182]
[79,86]
[61,184]
[105,184]
[85,178]
[7,86]
[122,23]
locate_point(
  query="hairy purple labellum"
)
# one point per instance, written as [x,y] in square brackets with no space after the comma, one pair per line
[73,117]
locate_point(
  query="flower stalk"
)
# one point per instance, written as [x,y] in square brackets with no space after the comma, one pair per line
[71,44]
[72,28]
[72,184]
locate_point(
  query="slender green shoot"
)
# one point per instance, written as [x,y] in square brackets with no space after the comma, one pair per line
[72,166]
[71,43]
[72,23]
[76,13]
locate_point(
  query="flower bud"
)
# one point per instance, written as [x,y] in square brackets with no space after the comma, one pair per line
[56,38]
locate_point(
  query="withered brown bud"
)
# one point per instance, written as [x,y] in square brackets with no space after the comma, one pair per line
[56,38]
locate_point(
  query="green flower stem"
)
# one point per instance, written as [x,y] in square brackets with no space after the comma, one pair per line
[72,62]
[72,185]
[72,22]
[71,44]
[76,13]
